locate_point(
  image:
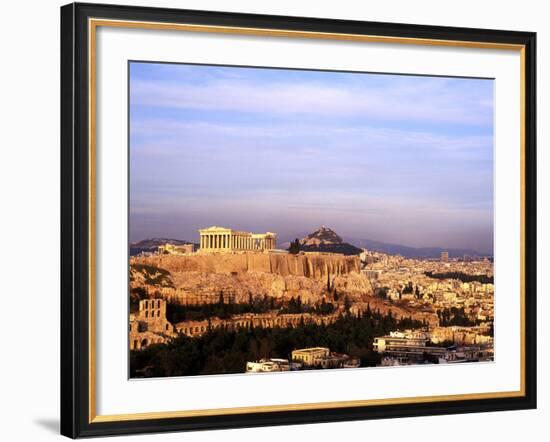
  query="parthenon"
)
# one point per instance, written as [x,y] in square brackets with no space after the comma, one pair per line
[222,239]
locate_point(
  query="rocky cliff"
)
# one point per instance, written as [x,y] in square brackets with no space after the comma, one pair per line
[199,278]
[316,266]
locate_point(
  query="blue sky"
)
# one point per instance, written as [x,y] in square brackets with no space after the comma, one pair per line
[403,159]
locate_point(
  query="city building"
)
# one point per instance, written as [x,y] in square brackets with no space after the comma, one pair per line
[444,256]
[462,335]
[173,249]
[222,239]
[269,366]
[310,356]
[371,274]
[406,348]
[399,342]
[321,357]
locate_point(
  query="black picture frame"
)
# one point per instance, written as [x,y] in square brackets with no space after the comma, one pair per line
[75,221]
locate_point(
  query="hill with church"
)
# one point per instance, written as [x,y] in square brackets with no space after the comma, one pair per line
[324,239]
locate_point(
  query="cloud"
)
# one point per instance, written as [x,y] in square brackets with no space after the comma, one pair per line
[436,100]
[393,158]
[410,221]
[169,136]
[210,158]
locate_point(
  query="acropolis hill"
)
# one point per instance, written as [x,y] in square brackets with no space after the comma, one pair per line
[242,264]
[239,265]
[196,279]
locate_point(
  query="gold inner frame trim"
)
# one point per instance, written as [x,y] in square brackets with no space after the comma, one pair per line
[93,24]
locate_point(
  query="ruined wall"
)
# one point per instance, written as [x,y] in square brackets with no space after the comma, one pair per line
[264,320]
[149,325]
[317,266]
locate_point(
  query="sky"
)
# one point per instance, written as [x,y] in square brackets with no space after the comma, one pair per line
[392,158]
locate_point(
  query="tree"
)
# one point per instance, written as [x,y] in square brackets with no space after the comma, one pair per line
[226,351]
[294,247]
[368,312]
[347,303]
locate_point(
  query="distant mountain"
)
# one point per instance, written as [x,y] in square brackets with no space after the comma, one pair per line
[325,239]
[152,244]
[411,252]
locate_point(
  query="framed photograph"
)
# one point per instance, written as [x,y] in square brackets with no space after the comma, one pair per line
[273,220]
